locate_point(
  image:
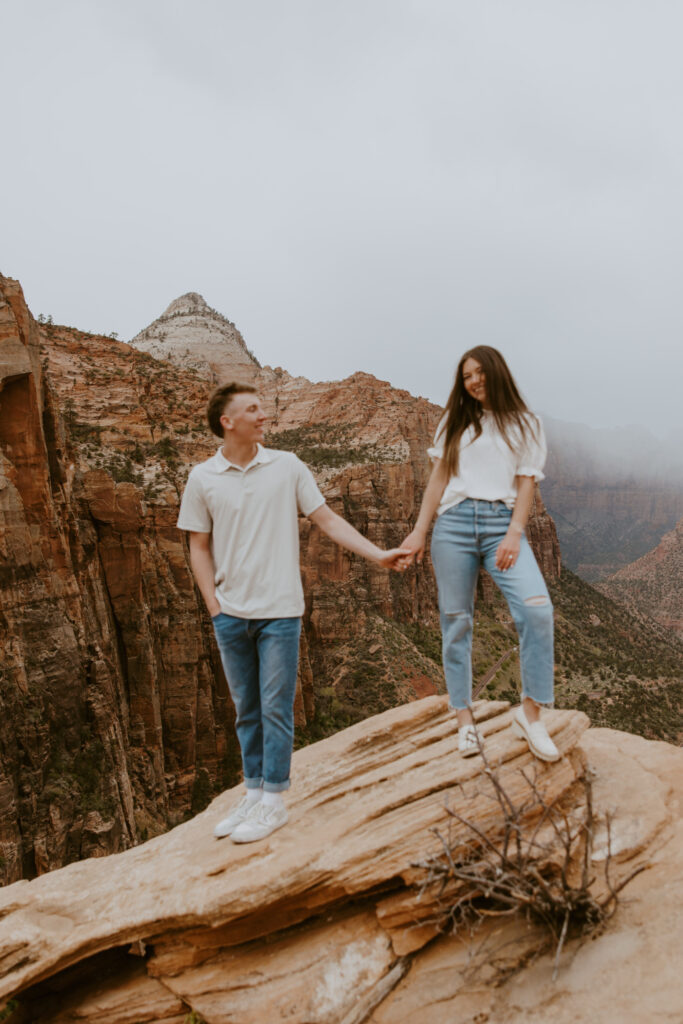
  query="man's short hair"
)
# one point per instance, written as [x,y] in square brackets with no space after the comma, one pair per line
[220,399]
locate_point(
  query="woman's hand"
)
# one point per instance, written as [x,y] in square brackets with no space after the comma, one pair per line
[397,559]
[415,544]
[508,550]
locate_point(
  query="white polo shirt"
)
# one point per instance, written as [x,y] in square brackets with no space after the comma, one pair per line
[251,514]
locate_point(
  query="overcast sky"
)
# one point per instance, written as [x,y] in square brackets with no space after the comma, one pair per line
[363,184]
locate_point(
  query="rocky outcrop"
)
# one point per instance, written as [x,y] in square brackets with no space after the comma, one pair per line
[361,808]
[190,333]
[327,920]
[628,971]
[652,584]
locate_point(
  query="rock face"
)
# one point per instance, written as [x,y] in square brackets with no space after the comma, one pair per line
[628,971]
[116,719]
[602,528]
[361,808]
[652,584]
[190,333]
[114,710]
[324,922]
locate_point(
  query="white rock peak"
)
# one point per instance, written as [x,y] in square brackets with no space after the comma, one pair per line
[191,333]
[190,302]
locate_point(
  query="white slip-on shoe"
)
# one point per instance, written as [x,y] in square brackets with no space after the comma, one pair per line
[469,741]
[236,816]
[536,735]
[259,823]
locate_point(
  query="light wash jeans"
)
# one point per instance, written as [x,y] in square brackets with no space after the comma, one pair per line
[465,537]
[260,659]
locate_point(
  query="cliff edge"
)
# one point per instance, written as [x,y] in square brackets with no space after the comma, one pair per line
[328,919]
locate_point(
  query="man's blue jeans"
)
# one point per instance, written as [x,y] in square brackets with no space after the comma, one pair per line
[464,537]
[260,658]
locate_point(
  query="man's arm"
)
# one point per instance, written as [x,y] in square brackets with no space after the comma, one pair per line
[203,570]
[347,536]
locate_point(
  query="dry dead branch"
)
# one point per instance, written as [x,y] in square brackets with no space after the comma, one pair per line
[538,864]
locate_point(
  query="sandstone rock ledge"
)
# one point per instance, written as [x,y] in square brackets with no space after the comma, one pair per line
[315,925]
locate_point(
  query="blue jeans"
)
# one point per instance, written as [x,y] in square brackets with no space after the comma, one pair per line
[260,659]
[465,537]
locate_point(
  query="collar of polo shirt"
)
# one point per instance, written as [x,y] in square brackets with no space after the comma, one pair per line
[224,464]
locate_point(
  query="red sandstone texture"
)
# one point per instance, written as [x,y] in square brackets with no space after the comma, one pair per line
[116,718]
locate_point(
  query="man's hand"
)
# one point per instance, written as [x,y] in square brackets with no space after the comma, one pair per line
[415,545]
[203,570]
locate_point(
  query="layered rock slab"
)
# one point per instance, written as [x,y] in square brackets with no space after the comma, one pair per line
[361,809]
[629,971]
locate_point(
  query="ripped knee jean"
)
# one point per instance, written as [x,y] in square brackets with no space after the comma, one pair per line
[465,537]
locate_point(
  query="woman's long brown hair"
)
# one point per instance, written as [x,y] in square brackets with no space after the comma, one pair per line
[506,405]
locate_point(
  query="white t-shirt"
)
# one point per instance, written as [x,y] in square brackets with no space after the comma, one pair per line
[251,514]
[487,467]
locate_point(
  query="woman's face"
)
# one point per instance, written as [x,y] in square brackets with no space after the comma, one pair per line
[474,380]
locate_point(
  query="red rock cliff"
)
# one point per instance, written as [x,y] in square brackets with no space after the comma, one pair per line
[116,717]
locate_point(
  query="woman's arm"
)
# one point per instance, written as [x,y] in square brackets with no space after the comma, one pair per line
[508,549]
[436,485]
[203,570]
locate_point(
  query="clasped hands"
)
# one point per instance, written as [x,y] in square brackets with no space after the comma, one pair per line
[399,559]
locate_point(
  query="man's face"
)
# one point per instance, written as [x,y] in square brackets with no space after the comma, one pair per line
[243,418]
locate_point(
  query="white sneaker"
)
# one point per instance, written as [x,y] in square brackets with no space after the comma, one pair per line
[236,816]
[469,741]
[536,735]
[259,823]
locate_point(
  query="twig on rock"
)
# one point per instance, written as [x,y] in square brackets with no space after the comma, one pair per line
[521,868]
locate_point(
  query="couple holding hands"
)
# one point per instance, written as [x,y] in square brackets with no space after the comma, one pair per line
[241,508]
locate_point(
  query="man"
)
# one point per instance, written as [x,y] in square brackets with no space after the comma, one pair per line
[240,508]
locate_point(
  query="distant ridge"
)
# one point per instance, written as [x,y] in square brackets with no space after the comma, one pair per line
[652,584]
[191,333]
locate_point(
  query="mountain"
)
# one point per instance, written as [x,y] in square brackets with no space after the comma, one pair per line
[190,333]
[653,585]
[116,721]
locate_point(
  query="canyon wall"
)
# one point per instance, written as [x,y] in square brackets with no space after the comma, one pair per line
[603,528]
[116,720]
[114,709]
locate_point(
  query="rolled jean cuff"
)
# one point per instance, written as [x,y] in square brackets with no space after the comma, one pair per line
[253,783]
[549,704]
[275,787]
[454,707]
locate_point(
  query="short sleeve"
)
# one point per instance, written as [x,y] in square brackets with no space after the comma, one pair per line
[436,451]
[533,451]
[309,497]
[194,514]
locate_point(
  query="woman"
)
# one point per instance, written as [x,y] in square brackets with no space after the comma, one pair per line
[488,453]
